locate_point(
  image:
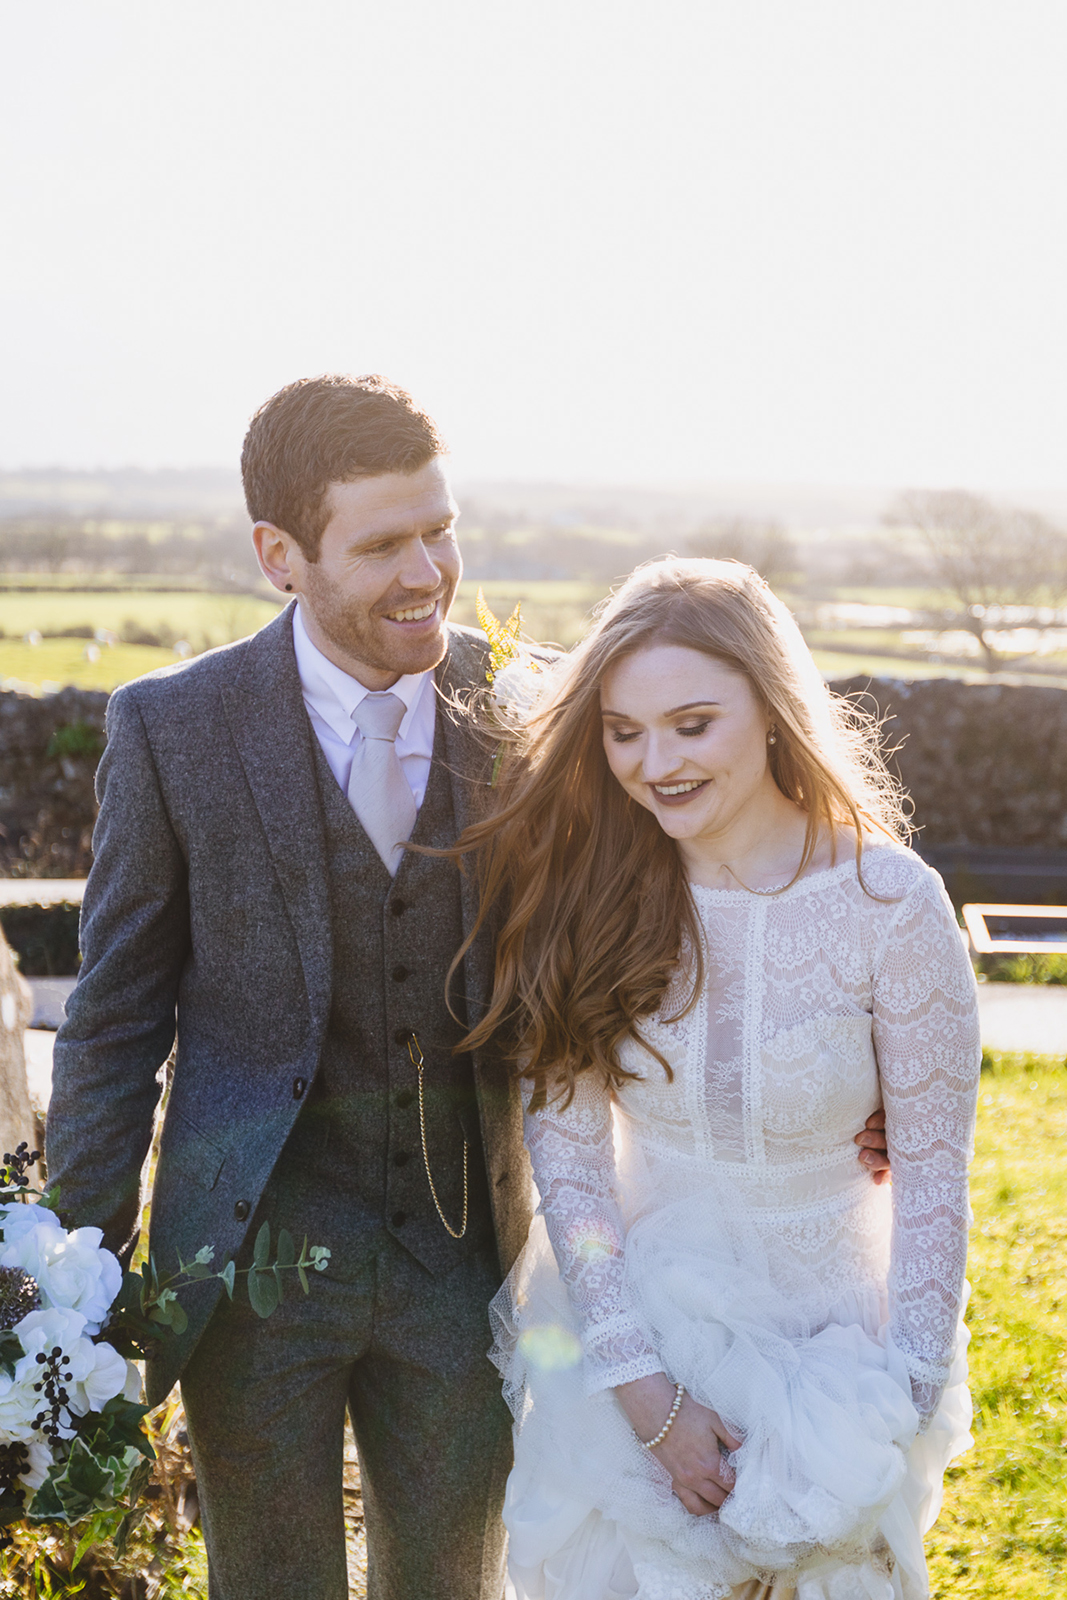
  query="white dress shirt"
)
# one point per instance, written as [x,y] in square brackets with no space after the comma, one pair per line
[331,695]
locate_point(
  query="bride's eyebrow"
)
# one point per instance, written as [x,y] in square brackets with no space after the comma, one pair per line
[691,705]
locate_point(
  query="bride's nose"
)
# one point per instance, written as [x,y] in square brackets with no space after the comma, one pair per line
[662,758]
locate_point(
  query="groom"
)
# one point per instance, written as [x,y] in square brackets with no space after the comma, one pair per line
[247,882]
[248,888]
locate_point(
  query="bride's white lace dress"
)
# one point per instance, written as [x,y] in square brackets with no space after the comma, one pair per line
[719,1228]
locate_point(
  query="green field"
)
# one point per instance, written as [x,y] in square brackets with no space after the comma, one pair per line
[553,611]
[1002,1534]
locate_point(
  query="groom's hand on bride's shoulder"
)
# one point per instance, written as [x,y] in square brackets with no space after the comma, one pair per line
[872,1142]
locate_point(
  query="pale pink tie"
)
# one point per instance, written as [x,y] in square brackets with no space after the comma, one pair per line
[378,791]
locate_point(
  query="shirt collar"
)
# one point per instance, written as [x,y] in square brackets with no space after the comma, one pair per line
[334,694]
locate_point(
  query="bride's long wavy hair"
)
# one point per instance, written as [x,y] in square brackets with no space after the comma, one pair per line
[587,894]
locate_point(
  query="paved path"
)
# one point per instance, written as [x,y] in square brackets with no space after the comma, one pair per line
[1015,1016]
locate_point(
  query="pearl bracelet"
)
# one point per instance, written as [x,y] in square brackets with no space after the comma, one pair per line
[650,1444]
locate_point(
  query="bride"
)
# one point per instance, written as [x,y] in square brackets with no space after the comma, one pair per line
[736,1365]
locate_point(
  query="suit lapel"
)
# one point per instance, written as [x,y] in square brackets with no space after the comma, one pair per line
[468,754]
[270,728]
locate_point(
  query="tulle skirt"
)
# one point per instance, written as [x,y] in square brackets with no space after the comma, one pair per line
[835,1486]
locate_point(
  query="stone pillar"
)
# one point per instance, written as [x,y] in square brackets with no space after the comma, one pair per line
[17,1120]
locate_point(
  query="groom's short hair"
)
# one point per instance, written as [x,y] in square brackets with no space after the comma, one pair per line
[332,429]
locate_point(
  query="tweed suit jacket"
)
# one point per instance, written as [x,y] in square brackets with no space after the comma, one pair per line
[206,912]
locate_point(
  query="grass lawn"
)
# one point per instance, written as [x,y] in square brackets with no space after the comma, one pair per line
[1002,1533]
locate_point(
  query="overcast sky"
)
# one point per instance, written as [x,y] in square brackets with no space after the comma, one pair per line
[639,241]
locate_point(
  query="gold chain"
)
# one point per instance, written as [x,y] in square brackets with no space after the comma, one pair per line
[417,1063]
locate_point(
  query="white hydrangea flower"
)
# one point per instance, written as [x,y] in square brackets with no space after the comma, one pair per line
[71,1270]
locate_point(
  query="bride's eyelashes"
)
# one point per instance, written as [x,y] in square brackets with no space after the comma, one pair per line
[693,731]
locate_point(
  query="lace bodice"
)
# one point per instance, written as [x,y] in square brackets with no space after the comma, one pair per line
[818,1003]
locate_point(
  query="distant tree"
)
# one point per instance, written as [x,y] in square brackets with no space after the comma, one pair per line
[765,545]
[988,557]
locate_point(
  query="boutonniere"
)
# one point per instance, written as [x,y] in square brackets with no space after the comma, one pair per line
[514,675]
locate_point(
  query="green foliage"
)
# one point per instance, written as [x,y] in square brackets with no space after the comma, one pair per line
[76,740]
[1001,1534]
[1023,968]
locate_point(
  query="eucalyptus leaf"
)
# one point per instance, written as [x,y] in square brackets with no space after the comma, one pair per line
[261,1253]
[227,1275]
[262,1292]
[286,1255]
[302,1275]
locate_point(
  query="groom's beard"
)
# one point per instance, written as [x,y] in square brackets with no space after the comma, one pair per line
[366,635]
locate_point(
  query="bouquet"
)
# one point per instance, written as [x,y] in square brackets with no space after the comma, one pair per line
[72,1440]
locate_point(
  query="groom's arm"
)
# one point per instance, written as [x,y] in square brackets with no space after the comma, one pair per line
[120,1021]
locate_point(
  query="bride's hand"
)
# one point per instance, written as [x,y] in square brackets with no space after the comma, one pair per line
[692,1452]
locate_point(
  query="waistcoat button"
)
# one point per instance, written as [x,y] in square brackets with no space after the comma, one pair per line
[403,1035]
[241,1210]
[398,907]
[398,1218]
[400,973]
[404,1098]
[299,1085]
[401,1158]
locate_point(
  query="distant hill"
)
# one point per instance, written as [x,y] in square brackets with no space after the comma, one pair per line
[127,492]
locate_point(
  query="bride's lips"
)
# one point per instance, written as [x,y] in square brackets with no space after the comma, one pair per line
[688,787]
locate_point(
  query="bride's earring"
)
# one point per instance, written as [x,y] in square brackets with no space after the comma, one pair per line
[772,737]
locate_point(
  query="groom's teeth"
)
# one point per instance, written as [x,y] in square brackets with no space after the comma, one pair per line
[677,788]
[416,614]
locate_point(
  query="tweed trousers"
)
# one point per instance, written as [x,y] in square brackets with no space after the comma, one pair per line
[265,1401]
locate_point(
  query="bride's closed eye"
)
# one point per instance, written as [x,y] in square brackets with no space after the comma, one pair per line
[695,729]
[620,736]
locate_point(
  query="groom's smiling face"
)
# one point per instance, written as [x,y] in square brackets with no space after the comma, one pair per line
[376,599]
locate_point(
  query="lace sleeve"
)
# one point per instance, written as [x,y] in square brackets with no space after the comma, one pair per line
[573,1156]
[926,1037]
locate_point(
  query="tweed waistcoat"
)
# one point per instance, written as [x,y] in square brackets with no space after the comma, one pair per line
[393,940]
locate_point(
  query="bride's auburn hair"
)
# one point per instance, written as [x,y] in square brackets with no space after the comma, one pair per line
[587,895]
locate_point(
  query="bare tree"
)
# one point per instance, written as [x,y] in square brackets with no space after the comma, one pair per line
[765,545]
[988,557]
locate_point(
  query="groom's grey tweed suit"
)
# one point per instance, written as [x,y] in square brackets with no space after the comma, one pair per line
[234,891]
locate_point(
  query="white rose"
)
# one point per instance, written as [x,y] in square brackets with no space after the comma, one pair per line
[37,1469]
[518,686]
[92,1374]
[71,1270]
[18,1407]
[17,1220]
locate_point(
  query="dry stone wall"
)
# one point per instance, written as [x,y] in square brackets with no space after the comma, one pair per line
[985,764]
[49,748]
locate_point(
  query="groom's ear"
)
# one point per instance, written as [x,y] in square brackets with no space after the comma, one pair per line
[279,556]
